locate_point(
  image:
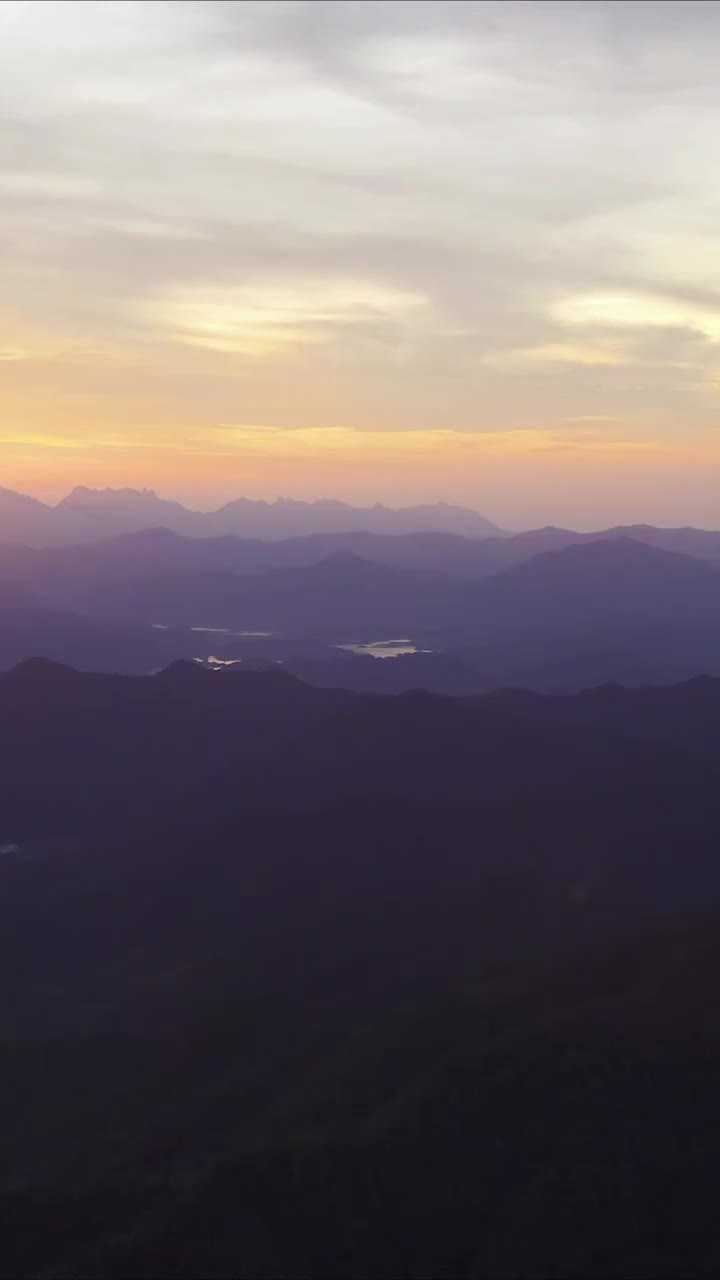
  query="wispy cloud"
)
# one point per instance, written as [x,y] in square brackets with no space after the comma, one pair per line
[483,215]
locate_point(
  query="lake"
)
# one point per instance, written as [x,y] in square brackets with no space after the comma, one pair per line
[383,648]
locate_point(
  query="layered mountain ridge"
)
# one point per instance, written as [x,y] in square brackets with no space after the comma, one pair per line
[86,514]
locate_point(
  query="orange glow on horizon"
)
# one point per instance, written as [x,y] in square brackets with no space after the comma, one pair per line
[510,476]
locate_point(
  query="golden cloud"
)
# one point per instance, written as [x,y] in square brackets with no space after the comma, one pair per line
[260,321]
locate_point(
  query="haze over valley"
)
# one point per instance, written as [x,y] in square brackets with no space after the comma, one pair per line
[547,609]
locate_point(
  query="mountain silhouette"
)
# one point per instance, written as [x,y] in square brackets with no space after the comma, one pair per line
[396,955]
[615,579]
[187,722]
[88,514]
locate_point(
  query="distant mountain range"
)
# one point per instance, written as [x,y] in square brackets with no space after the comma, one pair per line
[244,536]
[548,609]
[87,514]
[588,613]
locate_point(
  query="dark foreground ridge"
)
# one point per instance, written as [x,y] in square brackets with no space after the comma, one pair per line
[299,982]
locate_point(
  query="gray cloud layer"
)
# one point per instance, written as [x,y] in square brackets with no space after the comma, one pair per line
[479,215]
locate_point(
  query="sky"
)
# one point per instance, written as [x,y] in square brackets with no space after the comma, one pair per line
[397,250]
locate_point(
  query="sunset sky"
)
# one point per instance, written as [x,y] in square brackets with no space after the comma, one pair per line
[403,251]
